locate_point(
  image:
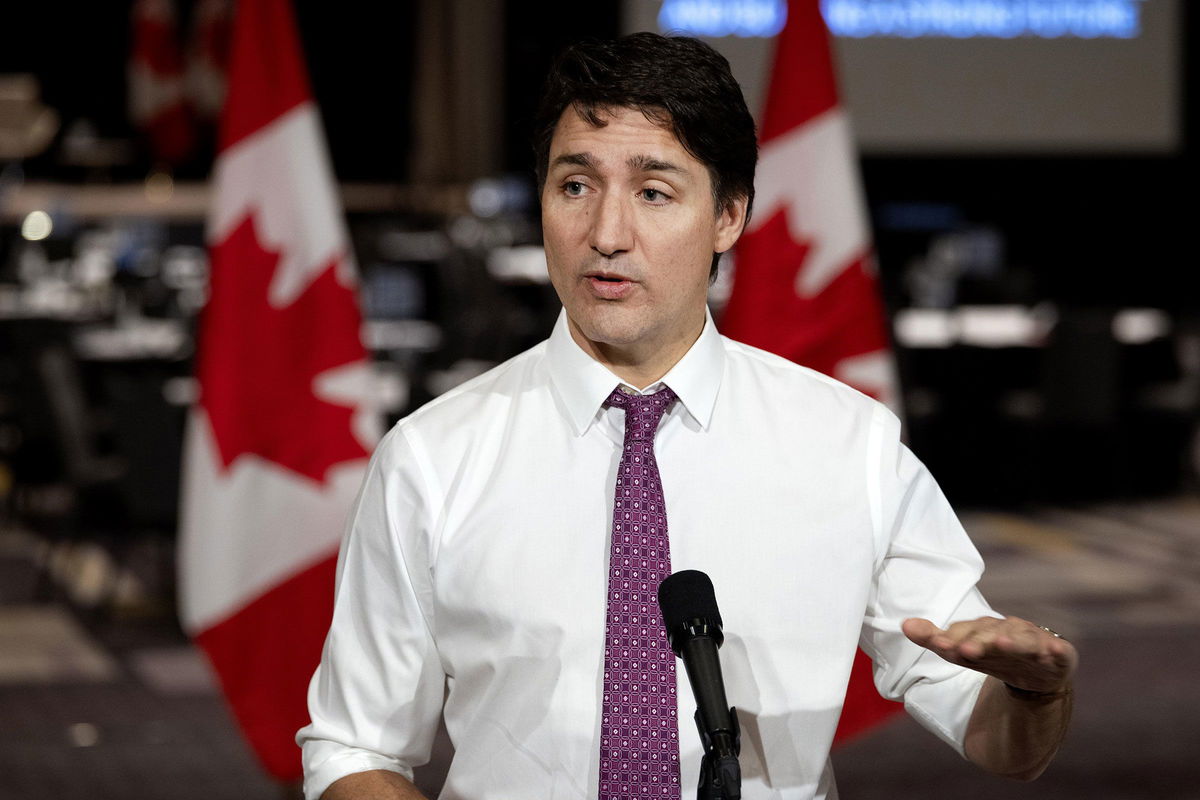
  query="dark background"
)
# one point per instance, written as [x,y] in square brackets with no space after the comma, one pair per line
[1089,234]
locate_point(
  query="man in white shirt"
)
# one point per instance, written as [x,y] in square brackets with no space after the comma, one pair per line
[472,581]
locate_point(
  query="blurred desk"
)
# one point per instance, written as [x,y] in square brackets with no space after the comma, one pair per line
[50,300]
[975,326]
[1008,404]
[140,340]
[996,326]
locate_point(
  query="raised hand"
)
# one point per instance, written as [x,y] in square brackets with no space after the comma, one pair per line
[1012,650]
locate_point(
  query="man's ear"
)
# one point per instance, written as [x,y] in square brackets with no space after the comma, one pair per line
[730,223]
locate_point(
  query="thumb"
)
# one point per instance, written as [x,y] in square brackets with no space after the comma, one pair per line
[920,631]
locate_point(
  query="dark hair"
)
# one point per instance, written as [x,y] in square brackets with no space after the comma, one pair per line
[678,82]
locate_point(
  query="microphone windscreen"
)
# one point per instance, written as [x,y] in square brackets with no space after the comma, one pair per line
[687,595]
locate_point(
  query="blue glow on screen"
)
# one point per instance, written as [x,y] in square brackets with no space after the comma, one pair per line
[958,19]
[723,17]
[1003,19]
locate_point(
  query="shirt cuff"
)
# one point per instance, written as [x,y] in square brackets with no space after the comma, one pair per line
[944,707]
[325,762]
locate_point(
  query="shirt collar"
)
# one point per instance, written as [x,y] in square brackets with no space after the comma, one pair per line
[584,384]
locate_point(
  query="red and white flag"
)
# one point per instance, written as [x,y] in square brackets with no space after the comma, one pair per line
[805,284]
[279,440]
[158,103]
[208,56]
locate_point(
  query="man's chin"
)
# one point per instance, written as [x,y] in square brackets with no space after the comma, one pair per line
[609,330]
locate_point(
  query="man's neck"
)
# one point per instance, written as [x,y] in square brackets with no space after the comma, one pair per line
[637,366]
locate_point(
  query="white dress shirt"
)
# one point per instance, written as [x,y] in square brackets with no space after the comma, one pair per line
[473,575]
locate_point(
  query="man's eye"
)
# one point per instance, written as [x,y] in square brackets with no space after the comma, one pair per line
[653,195]
[573,188]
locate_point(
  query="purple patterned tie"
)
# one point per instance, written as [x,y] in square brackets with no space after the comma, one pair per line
[639,736]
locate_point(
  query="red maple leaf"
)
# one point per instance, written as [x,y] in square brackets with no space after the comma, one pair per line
[844,319]
[257,363]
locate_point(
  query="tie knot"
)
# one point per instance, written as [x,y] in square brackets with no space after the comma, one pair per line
[642,411]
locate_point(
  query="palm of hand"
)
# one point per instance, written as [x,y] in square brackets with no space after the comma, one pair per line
[1012,650]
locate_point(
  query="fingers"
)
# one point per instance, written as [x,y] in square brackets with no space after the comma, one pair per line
[1064,654]
[920,631]
[1012,649]
[1013,636]
[977,638]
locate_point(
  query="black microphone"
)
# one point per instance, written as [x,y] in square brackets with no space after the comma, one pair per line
[689,610]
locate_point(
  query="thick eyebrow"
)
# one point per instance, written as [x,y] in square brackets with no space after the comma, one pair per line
[575,160]
[652,164]
[638,163]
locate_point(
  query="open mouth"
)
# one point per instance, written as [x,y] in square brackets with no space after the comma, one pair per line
[609,286]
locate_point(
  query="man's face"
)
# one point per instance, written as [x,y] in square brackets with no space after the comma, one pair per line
[629,228]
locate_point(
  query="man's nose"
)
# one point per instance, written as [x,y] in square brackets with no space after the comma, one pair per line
[612,229]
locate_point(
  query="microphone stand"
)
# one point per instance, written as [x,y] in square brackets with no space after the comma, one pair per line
[720,773]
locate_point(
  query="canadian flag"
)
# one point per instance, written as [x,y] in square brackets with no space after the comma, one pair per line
[208,56]
[158,103]
[805,285]
[279,440]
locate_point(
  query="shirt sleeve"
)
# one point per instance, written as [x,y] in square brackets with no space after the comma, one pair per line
[926,567]
[376,698]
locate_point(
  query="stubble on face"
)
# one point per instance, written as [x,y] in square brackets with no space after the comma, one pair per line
[629,229]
